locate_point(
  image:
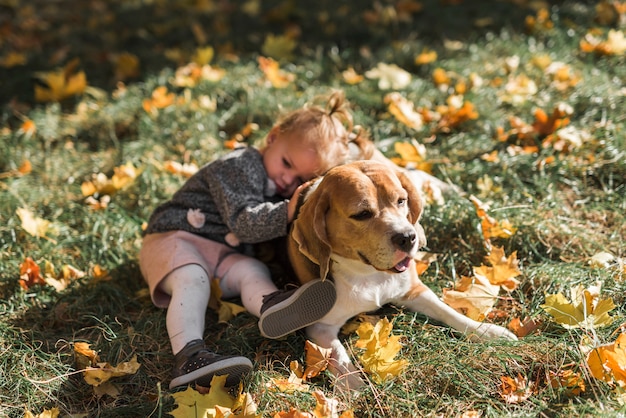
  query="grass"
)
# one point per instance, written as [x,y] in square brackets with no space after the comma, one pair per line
[565,211]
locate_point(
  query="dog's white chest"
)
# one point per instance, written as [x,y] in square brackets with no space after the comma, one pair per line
[361,288]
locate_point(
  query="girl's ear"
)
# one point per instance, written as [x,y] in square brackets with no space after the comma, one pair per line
[271,136]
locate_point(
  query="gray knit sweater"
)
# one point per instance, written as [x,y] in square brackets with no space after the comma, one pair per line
[231,193]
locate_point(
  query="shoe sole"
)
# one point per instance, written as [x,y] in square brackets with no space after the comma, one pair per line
[309,303]
[236,368]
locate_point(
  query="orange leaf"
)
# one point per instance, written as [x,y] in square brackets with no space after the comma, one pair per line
[472,296]
[278,79]
[30,274]
[608,362]
[571,382]
[317,359]
[503,269]
[523,328]
[515,390]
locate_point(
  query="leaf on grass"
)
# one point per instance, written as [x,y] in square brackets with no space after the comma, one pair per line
[351,77]
[30,274]
[64,278]
[389,76]
[317,359]
[217,402]
[608,362]
[381,349]
[225,310]
[35,226]
[455,113]
[126,66]
[183,169]
[568,381]
[411,155]
[523,328]
[278,47]
[545,125]
[472,296]
[404,111]
[325,407]
[615,44]
[490,227]
[159,99]
[277,78]
[584,309]
[100,184]
[518,90]
[423,259]
[84,356]
[60,84]
[289,385]
[427,56]
[503,269]
[47,413]
[515,389]
[102,372]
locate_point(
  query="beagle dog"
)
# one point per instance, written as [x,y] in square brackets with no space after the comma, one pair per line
[359,226]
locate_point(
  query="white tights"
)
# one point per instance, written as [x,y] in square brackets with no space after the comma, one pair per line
[190,289]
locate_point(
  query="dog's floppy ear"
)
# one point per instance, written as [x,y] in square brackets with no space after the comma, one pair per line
[309,231]
[416,204]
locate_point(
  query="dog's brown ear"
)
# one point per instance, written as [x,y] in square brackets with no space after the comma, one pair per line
[416,204]
[309,231]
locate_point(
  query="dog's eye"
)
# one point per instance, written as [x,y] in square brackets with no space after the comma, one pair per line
[401,201]
[362,216]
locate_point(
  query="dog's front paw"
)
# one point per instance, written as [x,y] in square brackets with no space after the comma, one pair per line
[347,378]
[491,332]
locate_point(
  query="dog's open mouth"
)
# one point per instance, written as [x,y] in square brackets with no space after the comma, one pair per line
[402,265]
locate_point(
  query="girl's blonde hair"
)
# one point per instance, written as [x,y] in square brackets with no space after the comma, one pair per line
[329,130]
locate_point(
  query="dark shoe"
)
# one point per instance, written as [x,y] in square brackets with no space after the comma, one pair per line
[196,364]
[286,311]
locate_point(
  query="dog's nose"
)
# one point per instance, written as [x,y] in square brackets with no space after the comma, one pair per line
[404,241]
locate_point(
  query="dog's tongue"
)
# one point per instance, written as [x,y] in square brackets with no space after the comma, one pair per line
[403,265]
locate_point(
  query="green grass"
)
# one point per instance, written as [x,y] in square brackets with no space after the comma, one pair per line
[565,211]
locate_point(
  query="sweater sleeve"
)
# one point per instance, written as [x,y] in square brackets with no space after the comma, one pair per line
[237,187]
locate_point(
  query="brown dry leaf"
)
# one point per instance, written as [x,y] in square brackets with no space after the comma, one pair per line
[317,359]
[515,390]
[545,125]
[455,113]
[277,78]
[30,274]
[608,362]
[381,349]
[404,111]
[100,184]
[84,355]
[503,270]
[472,296]
[102,372]
[62,281]
[569,381]
[60,84]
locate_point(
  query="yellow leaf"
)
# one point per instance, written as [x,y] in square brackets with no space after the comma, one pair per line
[350,76]
[426,57]
[290,385]
[584,309]
[84,355]
[380,350]
[615,43]
[35,226]
[104,371]
[278,47]
[47,413]
[225,310]
[608,362]
[13,59]
[404,111]
[503,269]
[389,76]
[203,56]
[325,407]
[278,79]
[60,84]
[568,380]
[126,66]
[472,296]
[191,403]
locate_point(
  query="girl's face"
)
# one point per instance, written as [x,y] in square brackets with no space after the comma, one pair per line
[288,164]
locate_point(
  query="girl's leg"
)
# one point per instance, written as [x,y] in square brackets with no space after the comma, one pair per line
[280,312]
[190,288]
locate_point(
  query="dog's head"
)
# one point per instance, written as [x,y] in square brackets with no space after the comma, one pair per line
[363,211]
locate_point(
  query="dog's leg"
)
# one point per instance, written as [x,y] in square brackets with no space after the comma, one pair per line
[340,365]
[430,305]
